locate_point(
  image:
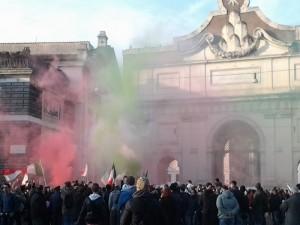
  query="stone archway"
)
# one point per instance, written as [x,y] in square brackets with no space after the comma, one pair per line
[236,155]
[166,166]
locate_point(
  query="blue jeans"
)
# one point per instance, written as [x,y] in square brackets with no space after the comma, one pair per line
[227,221]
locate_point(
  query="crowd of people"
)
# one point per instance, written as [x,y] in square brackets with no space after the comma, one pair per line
[136,202]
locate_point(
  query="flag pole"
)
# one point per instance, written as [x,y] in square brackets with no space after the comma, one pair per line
[43,172]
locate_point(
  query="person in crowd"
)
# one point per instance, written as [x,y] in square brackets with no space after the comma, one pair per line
[114,212]
[184,202]
[291,208]
[238,195]
[79,197]
[168,206]
[67,195]
[143,208]
[274,206]
[94,209]
[38,207]
[192,207]
[177,201]
[208,205]
[260,205]
[106,192]
[22,202]
[8,205]
[228,208]
[244,206]
[55,207]
[126,193]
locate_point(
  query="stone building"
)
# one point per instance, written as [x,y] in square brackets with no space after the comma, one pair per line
[222,101]
[45,86]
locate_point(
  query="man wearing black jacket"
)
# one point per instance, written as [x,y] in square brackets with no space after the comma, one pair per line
[94,209]
[291,208]
[143,208]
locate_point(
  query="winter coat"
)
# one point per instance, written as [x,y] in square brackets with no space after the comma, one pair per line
[177,202]
[125,195]
[114,216]
[142,209]
[94,210]
[228,206]
[67,210]
[209,209]
[113,199]
[274,202]
[9,203]
[260,203]
[168,208]
[291,208]
[78,201]
[38,208]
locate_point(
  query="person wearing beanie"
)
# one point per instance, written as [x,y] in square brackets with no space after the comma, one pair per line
[291,208]
[143,208]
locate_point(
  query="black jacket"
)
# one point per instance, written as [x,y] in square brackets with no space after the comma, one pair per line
[142,209]
[94,210]
[38,207]
[209,208]
[291,207]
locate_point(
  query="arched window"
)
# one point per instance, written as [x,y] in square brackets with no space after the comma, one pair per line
[226,163]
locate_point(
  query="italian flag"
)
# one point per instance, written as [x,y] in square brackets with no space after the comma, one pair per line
[11,175]
[35,169]
[112,175]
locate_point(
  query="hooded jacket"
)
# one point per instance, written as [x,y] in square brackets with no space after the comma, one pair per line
[144,209]
[125,195]
[94,210]
[227,205]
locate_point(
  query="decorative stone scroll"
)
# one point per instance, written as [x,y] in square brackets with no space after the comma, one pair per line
[240,5]
[20,59]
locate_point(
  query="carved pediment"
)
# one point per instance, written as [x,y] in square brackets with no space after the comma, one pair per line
[236,31]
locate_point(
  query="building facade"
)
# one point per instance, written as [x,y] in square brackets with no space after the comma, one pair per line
[223,101]
[47,87]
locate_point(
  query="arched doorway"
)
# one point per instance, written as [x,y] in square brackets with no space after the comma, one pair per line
[236,153]
[167,170]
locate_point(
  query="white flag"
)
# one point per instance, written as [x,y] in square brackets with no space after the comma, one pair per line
[84,173]
[25,179]
[11,177]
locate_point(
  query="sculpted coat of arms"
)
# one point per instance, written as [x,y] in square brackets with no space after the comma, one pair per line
[235,40]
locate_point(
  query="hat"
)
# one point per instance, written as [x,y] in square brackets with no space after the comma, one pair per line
[142,184]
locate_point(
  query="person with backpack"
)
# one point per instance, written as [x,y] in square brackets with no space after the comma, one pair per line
[143,208]
[94,209]
[67,195]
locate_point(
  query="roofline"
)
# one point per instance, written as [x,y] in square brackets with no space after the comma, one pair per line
[49,42]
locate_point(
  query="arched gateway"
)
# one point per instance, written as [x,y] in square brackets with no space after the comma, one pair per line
[236,156]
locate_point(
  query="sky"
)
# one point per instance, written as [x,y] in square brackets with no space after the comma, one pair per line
[128,23]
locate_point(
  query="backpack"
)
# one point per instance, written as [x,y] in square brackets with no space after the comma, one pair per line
[69,200]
